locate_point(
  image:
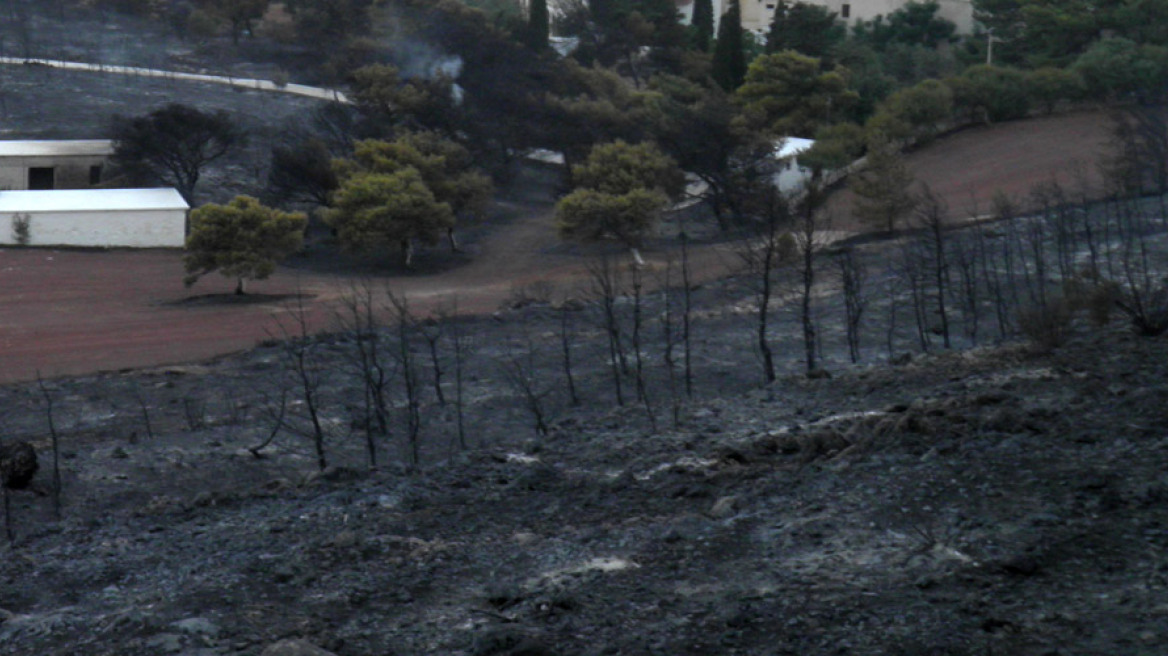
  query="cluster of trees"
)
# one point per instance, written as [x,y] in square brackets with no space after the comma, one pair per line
[418,149]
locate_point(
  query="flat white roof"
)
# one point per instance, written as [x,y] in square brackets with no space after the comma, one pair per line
[790,146]
[56,148]
[91,200]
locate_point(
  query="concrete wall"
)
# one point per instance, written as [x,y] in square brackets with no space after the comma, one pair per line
[133,228]
[69,172]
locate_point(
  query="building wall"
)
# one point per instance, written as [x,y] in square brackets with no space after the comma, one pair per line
[69,172]
[134,228]
[757,14]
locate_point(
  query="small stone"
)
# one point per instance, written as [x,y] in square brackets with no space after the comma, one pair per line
[119,453]
[345,540]
[165,643]
[198,626]
[295,647]
[724,507]
[524,538]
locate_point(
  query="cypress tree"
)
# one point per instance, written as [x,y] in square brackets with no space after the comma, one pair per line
[703,24]
[729,65]
[537,25]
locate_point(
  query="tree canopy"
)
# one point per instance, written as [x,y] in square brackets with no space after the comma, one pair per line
[375,212]
[808,29]
[787,94]
[242,240]
[914,23]
[702,24]
[883,188]
[621,191]
[729,64]
[446,168]
[173,144]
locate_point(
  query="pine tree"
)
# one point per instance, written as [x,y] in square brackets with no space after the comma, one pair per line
[883,189]
[729,65]
[703,24]
[537,25]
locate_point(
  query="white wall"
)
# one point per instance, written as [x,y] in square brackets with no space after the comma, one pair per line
[133,228]
[757,14]
[791,177]
[70,171]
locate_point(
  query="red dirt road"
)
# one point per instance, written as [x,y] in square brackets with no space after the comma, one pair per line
[968,168]
[75,312]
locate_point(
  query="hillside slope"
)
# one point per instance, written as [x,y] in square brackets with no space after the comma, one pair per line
[993,501]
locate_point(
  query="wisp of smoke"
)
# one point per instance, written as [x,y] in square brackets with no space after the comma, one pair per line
[418,59]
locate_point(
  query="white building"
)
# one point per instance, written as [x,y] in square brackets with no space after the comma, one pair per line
[53,164]
[757,14]
[789,177]
[139,218]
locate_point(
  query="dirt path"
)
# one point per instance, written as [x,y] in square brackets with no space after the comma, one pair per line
[74,312]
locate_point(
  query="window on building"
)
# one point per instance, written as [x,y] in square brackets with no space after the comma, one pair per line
[845,11]
[95,175]
[41,177]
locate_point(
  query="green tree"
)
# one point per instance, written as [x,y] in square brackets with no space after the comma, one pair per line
[702,24]
[618,168]
[917,112]
[787,94]
[695,124]
[589,215]
[1117,66]
[915,23]
[729,64]
[322,25]
[836,146]
[446,168]
[621,191]
[538,22]
[375,212]
[242,240]
[240,14]
[173,145]
[991,93]
[883,188]
[1040,33]
[808,29]
[389,102]
[301,172]
[1048,86]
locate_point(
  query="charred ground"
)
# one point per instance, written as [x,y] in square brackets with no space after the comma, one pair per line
[991,501]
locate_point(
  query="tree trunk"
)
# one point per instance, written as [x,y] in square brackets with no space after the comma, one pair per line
[239,290]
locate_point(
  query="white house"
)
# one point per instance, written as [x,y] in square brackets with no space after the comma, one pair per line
[789,176]
[53,164]
[139,218]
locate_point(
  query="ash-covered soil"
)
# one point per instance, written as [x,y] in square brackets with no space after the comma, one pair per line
[990,501]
